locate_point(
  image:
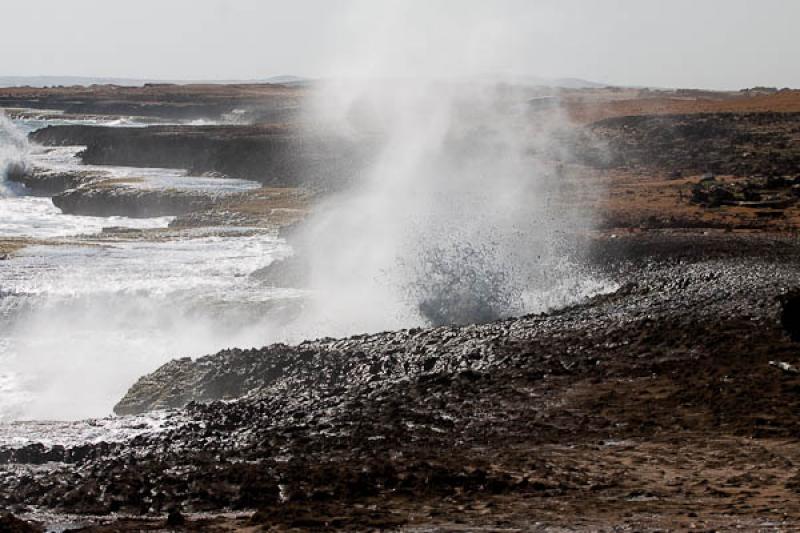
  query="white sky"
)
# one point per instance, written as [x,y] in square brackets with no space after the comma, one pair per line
[687,43]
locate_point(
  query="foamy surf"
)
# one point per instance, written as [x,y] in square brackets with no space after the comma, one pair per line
[80,306]
[116,311]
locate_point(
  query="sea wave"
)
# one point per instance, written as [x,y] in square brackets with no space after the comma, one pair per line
[14,151]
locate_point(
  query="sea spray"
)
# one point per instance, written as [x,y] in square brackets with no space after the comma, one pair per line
[103,311]
[14,151]
[105,315]
[460,214]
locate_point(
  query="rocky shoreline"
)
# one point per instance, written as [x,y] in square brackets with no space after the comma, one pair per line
[274,155]
[667,403]
[398,420]
[103,201]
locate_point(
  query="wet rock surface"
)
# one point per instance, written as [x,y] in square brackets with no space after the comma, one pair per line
[100,199]
[613,411]
[48,182]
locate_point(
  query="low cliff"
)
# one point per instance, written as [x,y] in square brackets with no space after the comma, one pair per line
[105,201]
[273,155]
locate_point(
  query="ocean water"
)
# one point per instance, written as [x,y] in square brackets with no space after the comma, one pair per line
[84,313]
[65,158]
[36,217]
[81,322]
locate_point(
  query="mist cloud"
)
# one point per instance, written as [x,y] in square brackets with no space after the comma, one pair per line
[457,215]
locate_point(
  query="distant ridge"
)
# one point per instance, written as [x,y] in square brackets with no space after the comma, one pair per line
[50,81]
[577,83]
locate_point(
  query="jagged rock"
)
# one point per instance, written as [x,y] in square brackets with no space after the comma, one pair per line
[755,193]
[49,182]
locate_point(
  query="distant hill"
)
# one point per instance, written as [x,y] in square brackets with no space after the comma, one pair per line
[50,81]
[577,83]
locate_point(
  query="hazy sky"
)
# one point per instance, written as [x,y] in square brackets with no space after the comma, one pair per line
[687,43]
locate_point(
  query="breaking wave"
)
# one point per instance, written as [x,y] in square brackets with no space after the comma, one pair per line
[14,150]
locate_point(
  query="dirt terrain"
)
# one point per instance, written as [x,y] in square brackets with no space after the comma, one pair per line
[669,403]
[592,105]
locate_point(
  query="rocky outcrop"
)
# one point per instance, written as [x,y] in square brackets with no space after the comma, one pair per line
[361,359]
[103,200]
[48,182]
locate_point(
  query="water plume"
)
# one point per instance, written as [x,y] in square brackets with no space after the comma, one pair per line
[459,214]
[14,150]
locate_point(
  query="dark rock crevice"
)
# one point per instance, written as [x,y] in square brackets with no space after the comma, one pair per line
[790,314]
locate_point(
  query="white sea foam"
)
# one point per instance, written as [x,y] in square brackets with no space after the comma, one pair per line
[65,159]
[74,433]
[36,217]
[80,323]
[82,318]
[14,149]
